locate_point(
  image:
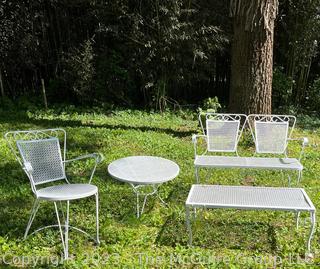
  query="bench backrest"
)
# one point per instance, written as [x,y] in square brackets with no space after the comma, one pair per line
[271,132]
[223,131]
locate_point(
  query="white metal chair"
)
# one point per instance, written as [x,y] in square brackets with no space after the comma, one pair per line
[222,134]
[40,155]
[271,135]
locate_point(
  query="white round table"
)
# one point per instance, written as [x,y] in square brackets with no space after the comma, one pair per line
[140,171]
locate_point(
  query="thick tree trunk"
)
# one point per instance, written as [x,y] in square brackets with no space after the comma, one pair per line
[252,56]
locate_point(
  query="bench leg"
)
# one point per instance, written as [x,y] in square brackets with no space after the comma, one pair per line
[313,224]
[299,176]
[188,225]
[297,219]
[197,174]
[289,180]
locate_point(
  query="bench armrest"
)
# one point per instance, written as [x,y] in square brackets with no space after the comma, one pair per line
[195,141]
[304,143]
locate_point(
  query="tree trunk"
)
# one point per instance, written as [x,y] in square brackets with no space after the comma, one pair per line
[252,55]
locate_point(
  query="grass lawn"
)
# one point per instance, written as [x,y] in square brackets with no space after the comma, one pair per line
[222,238]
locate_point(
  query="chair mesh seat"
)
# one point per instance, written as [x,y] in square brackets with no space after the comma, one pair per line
[247,162]
[67,192]
[248,197]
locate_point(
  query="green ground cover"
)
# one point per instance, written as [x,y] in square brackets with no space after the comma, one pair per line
[222,238]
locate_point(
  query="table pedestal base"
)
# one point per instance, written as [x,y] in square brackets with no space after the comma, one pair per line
[136,189]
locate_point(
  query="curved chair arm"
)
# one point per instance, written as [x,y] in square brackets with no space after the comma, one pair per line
[27,167]
[195,141]
[304,143]
[98,159]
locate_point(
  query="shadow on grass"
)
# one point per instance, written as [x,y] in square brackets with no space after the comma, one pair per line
[21,119]
[15,212]
[211,234]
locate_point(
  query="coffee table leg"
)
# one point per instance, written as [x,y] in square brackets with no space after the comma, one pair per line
[297,219]
[155,189]
[137,204]
[313,224]
[188,225]
[136,191]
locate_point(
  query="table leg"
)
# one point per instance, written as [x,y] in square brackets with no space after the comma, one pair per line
[188,225]
[155,189]
[313,224]
[138,209]
[136,191]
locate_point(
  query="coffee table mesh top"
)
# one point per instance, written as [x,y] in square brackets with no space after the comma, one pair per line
[143,169]
[247,196]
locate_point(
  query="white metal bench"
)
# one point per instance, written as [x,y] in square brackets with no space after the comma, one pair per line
[271,135]
[250,198]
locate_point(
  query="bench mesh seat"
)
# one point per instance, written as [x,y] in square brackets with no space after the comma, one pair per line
[247,162]
[248,197]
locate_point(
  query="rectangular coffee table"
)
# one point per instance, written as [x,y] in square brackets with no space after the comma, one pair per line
[250,198]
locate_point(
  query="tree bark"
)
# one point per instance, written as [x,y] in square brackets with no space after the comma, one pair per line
[252,55]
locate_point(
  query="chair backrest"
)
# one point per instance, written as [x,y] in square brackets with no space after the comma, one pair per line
[271,132]
[39,153]
[43,158]
[223,131]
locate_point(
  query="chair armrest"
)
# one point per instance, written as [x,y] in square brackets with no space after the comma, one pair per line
[195,140]
[304,143]
[98,159]
[97,156]
[28,167]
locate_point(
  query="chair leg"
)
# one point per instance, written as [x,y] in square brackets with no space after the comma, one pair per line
[65,250]
[97,218]
[34,210]
[66,228]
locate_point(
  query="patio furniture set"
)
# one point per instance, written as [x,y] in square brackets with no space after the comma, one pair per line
[42,155]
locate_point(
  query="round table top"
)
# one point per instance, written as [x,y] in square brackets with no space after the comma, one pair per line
[143,170]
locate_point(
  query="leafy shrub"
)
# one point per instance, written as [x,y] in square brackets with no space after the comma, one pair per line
[113,80]
[209,105]
[6,104]
[313,96]
[281,88]
[79,71]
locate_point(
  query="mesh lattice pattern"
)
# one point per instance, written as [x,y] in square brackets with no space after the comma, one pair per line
[271,137]
[44,156]
[247,196]
[247,162]
[222,135]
